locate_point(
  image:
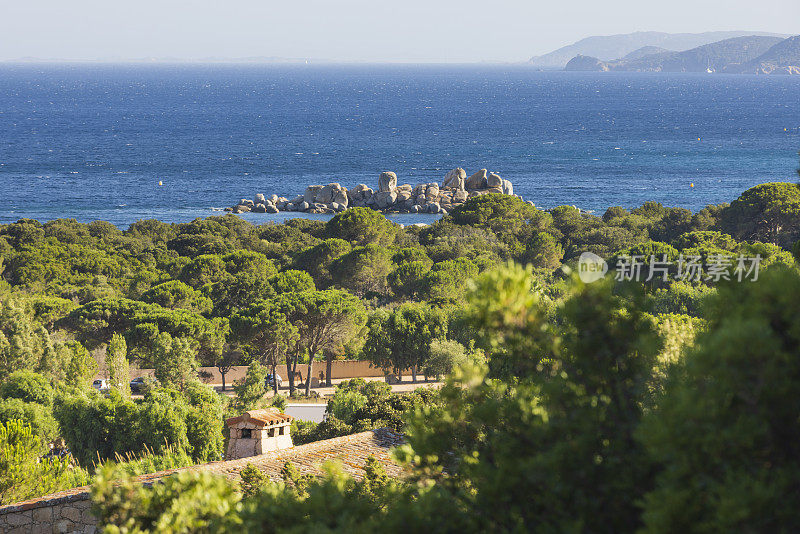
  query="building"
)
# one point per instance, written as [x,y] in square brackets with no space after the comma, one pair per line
[258,431]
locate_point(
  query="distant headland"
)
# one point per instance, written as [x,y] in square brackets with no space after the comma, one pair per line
[739,55]
[613,47]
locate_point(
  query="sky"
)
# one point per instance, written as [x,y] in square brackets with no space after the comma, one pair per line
[356,30]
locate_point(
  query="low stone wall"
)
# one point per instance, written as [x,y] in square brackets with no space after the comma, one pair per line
[65,512]
[339,369]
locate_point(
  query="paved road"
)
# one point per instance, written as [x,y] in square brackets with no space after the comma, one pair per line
[306,412]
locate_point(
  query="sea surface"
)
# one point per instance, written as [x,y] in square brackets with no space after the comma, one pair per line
[94,141]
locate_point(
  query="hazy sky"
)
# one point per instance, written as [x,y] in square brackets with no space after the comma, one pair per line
[357,30]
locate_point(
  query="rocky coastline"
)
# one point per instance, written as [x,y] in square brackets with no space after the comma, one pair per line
[389,197]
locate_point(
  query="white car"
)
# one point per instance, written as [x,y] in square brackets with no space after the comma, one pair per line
[100,384]
[269,383]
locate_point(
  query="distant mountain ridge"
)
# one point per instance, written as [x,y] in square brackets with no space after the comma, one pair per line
[610,47]
[783,58]
[753,54]
[647,51]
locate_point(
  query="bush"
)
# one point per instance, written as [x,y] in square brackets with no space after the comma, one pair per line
[250,391]
[27,386]
[149,462]
[445,355]
[39,417]
[98,428]
[188,501]
[725,434]
[24,473]
[345,402]
[362,226]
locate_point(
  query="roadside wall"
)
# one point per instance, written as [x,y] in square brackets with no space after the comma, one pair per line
[67,513]
[339,369]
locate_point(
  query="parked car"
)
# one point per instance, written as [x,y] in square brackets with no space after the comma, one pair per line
[270,381]
[101,384]
[137,385]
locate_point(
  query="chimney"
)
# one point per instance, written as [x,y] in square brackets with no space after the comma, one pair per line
[257,432]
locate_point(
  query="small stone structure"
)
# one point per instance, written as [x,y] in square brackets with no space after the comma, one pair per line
[258,431]
[390,197]
[69,511]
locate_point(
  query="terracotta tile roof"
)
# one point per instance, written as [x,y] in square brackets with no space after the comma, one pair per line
[265,417]
[349,452]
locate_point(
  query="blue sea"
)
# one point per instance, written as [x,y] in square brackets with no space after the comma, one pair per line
[93,141]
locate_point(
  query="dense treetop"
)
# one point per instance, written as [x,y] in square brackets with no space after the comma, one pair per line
[559,392]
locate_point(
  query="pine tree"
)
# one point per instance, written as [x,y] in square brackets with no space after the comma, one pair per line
[24,473]
[23,341]
[81,367]
[174,361]
[117,364]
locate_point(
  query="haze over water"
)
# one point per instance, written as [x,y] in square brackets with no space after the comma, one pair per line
[93,141]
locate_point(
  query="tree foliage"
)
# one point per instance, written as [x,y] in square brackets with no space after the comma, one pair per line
[362,226]
[98,428]
[401,339]
[23,473]
[724,433]
[27,386]
[117,364]
[767,212]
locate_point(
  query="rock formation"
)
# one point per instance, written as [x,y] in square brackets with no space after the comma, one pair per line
[390,197]
[494,180]
[455,179]
[387,182]
[477,180]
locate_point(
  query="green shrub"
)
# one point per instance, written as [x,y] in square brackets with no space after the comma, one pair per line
[24,474]
[39,417]
[725,435]
[27,386]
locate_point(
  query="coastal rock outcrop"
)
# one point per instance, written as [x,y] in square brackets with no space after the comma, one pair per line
[384,199]
[493,180]
[455,179]
[387,182]
[461,196]
[477,180]
[359,195]
[429,197]
[332,194]
[311,193]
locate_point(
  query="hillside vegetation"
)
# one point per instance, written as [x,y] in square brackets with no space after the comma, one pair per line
[658,404]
